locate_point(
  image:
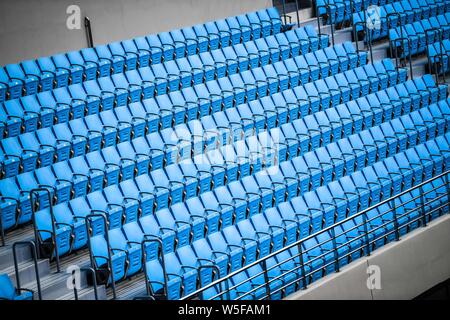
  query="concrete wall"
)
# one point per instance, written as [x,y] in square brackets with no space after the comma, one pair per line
[408,268]
[33,28]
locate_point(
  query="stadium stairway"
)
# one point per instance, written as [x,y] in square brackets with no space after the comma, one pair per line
[54,284]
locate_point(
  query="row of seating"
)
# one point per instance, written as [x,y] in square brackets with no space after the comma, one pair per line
[412,39]
[69,178]
[388,17]
[33,112]
[45,73]
[287,273]
[25,153]
[223,248]
[236,189]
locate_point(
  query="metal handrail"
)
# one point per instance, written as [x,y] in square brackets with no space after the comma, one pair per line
[94,282]
[88,219]
[32,246]
[52,216]
[366,244]
[327,8]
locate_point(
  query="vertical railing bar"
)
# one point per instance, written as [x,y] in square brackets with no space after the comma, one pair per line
[411,71]
[332,20]
[366,234]
[215,269]
[335,250]
[319,31]
[35,262]
[75,289]
[106,229]
[284,11]
[163,265]
[87,25]
[50,207]
[302,265]
[422,207]
[94,280]
[298,242]
[297,13]
[396,225]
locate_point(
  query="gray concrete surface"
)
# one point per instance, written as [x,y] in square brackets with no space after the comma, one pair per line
[409,267]
[33,28]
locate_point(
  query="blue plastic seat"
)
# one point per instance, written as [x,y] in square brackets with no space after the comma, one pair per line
[9,292]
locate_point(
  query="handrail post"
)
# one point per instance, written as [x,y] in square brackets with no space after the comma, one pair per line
[217,272]
[368,35]
[332,17]
[94,280]
[319,32]
[32,245]
[369,45]
[388,22]
[411,71]
[422,207]
[297,14]
[352,11]
[355,36]
[52,216]
[266,278]
[396,225]
[2,232]
[88,219]
[447,183]
[298,243]
[283,2]
[440,53]
[335,250]
[87,26]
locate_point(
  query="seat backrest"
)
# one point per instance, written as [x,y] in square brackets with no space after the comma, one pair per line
[7,290]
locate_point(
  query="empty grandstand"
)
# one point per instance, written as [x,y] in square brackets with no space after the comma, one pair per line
[249,157]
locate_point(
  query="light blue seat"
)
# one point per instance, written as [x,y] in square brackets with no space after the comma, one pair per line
[9,292]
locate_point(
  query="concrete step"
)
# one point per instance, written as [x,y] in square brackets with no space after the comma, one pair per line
[27,271]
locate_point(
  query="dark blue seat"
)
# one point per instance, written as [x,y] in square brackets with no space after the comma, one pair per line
[9,292]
